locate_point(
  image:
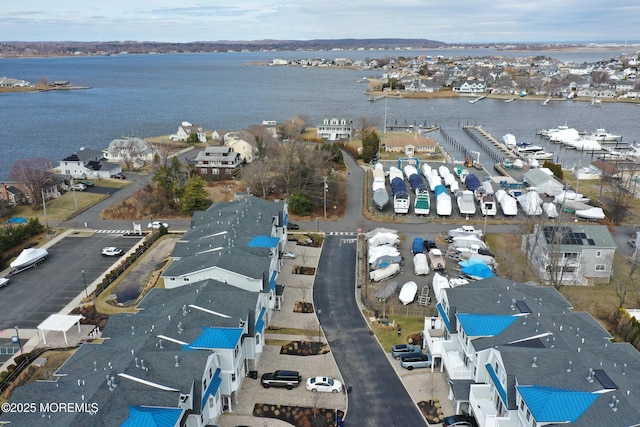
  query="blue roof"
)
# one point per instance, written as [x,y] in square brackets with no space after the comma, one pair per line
[216,338]
[484,325]
[272,280]
[444,316]
[497,384]
[212,389]
[151,416]
[264,242]
[260,321]
[556,405]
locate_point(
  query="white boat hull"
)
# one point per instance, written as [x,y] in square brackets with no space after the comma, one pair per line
[29,257]
[408,293]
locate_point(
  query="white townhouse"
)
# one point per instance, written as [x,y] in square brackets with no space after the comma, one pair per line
[470,87]
[516,355]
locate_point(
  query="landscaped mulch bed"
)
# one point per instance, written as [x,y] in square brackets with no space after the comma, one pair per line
[304,348]
[303,307]
[431,411]
[308,271]
[297,415]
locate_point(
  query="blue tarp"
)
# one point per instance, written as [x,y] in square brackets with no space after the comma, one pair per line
[471,261]
[17,220]
[439,190]
[481,271]
[472,182]
[418,246]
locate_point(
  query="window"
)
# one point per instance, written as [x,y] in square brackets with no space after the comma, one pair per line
[598,254]
[601,267]
[257,339]
[233,376]
[186,279]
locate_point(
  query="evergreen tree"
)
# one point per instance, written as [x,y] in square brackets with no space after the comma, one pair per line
[194,195]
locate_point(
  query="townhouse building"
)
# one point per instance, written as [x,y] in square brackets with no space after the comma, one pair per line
[516,355]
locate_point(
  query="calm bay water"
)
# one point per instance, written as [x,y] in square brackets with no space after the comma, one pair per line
[149,95]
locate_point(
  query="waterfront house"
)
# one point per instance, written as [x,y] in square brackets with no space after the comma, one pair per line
[571,253]
[87,164]
[221,161]
[186,129]
[409,143]
[470,87]
[243,143]
[335,129]
[130,151]
[517,355]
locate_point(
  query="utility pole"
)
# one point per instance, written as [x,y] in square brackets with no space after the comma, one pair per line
[44,207]
[324,195]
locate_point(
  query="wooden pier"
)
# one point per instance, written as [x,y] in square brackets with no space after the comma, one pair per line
[488,138]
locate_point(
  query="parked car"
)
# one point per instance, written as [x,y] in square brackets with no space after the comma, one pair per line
[292,226]
[632,243]
[4,282]
[281,378]
[288,255]
[87,183]
[119,176]
[459,421]
[416,361]
[399,350]
[157,224]
[78,187]
[112,251]
[325,384]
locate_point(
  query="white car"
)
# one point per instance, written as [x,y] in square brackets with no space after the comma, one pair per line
[78,187]
[325,384]
[157,224]
[112,251]
[288,255]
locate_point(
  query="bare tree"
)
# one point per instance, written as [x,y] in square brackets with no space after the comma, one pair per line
[129,153]
[364,125]
[34,174]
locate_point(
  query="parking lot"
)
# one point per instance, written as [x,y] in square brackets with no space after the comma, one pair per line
[73,262]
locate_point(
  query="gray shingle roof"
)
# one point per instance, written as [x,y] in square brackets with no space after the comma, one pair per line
[219,237]
[130,336]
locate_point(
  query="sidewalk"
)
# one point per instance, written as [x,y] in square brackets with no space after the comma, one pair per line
[298,288]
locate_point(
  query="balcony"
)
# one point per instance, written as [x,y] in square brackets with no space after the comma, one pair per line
[452,359]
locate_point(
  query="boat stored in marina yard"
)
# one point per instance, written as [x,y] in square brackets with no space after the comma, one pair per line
[408,292]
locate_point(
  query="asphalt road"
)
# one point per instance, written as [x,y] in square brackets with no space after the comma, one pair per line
[377,396]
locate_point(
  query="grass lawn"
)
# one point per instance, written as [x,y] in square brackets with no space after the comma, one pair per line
[388,337]
[64,207]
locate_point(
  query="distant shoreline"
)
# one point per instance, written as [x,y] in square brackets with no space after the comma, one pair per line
[39,88]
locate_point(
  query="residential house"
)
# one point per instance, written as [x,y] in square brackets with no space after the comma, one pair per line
[543,181]
[186,129]
[136,151]
[217,161]
[238,242]
[218,135]
[243,143]
[410,144]
[11,82]
[470,87]
[12,195]
[87,164]
[335,129]
[516,355]
[571,254]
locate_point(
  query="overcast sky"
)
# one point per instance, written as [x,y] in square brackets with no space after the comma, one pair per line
[450,21]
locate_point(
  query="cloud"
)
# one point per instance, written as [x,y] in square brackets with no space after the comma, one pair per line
[450,21]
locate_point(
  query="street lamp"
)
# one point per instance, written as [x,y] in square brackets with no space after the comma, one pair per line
[18,338]
[84,280]
[319,331]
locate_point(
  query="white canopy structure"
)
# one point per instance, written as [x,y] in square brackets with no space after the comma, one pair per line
[59,323]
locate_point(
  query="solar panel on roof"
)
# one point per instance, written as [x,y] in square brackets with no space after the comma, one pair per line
[604,379]
[591,242]
[523,307]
